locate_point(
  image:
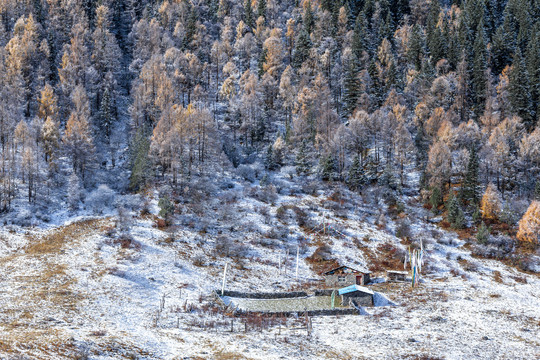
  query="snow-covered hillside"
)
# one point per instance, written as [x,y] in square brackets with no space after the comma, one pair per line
[85,290]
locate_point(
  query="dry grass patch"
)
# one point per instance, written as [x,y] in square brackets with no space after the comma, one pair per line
[387,257]
[43,301]
[519,279]
[322,259]
[54,242]
[229,355]
[497,277]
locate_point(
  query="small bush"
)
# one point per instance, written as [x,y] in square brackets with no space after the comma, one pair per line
[390,198]
[98,333]
[126,241]
[247,173]
[470,265]
[302,217]
[322,253]
[519,279]
[278,232]
[101,198]
[337,196]
[223,246]
[403,229]
[110,231]
[445,224]
[437,235]
[281,213]
[238,252]
[145,210]
[199,260]
[229,197]
[508,215]
[265,212]
[400,207]
[502,242]
[310,188]
[266,194]
[161,224]
[526,263]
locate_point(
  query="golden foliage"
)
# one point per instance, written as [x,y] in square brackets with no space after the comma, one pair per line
[491,203]
[529,225]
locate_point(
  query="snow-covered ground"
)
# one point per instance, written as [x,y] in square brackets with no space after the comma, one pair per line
[74,291]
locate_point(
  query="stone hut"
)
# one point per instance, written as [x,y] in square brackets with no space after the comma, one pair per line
[345,275]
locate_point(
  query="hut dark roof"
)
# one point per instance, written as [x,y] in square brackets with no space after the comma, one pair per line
[345,269]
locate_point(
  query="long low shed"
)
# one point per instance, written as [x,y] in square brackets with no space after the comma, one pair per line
[394,275]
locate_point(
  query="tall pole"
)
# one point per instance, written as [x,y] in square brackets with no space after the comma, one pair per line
[224,277]
[297,257]
[286,260]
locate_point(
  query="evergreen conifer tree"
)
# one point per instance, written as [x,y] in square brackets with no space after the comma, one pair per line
[74,191]
[433,37]
[533,66]
[477,214]
[140,162]
[453,48]
[482,236]
[327,5]
[269,160]
[166,208]
[388,26]
[106,114]
[302,47]
[415,51]
[352,87]
[435,199]
[261,8]
[308,18]
[371,171]
[328,168]
[520,90]
[478,75]
[358,39]
[302,164]
[501,48]
[387,178]
[455,215]
[470,190]
[262,60]
[421,143]
[249,17]
[356,178]
[191,26]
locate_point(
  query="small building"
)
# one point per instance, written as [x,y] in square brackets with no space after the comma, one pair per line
[345,275]
[362,296]
[395,275]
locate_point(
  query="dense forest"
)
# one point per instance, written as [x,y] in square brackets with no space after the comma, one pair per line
[437,97]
